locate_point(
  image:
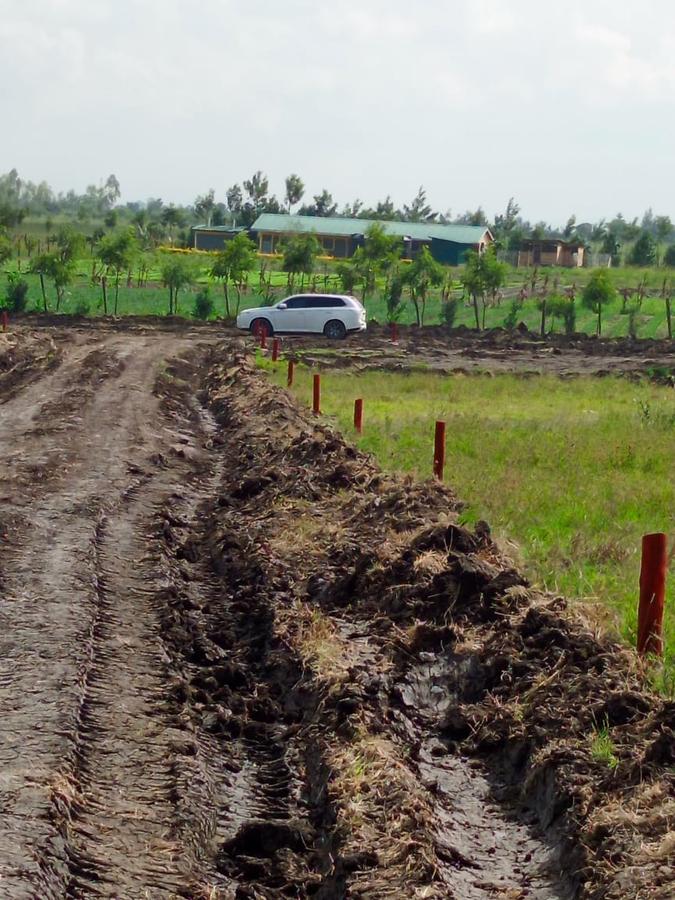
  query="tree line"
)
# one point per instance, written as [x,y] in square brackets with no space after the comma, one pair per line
[647,241]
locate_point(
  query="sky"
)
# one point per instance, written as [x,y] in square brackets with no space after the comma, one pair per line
[569,108]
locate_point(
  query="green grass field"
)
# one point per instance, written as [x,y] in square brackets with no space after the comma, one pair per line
[569,473]
[153,300]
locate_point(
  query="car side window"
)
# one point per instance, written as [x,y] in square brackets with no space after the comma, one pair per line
[322,302]
[295,303]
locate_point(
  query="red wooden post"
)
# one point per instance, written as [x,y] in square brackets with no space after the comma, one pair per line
[275,349]
[652,593]
[316,397]
[394,333]
[263,337]
[5,320]
[439,450]
[358,415]
[291,372]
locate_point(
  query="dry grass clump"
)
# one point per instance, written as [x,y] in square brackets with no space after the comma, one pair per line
[431,562]
[384,818]
[316,641]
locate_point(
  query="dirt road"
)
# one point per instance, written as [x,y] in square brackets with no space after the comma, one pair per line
[238,662]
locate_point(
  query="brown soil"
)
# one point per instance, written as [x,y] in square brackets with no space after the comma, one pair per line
[238,661]
[493,352]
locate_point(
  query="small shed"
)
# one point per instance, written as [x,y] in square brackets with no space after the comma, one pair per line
[213,237]
[551,252]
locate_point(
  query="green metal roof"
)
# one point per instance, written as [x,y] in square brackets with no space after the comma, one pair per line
[218,228]
[335,225]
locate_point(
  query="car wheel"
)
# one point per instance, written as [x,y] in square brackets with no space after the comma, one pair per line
[260,327]
[335,330]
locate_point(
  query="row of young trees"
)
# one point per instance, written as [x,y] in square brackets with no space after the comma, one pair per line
[377,264]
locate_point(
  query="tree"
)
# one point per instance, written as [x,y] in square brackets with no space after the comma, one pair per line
[644,251]
[295,190]
[667,296]
[669,258]
[205,205]
[376,257]
[323,205]
[61,265]
[570,227]
[41,265]
[424,273]
[483,274]
[117,253]
[177,274]
[235,200]
[16,298]
[111,191]
[507,223]
[257,188]
[664,227]
[612,247]
[300,253]
[419,210]
[232,266]
[393,297]
[5,248]
[477,217]
[173,218]
[598,293]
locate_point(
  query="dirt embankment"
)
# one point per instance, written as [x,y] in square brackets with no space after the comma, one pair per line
[238,661]
[435,727]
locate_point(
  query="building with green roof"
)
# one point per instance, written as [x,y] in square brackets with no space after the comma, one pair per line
[340,237]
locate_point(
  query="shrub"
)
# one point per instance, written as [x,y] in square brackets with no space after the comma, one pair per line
[511,319]
[563,308]
[203,305]
[16,297]
[599,292]
[449,309]
[394,298]
[348,277]
[81,307]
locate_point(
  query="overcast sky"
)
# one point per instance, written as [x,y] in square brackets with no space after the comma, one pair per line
[568,107]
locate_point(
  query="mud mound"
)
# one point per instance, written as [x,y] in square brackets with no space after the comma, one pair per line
[437,727]
[24,355]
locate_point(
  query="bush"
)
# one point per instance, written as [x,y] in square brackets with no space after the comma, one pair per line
[511,319]
[449,311]
[203,308]
[394,299]
[16,297]
[81,307]
[348,277]
[564,308]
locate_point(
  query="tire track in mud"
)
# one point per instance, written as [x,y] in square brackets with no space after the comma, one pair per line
[87,793]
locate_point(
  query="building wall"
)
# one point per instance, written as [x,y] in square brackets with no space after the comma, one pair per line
[211,240]
[561,256]
[337,245]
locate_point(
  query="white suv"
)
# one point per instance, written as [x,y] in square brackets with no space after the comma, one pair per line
[333,315]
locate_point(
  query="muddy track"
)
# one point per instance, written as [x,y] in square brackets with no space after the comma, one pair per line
[237,661]
[90,746]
